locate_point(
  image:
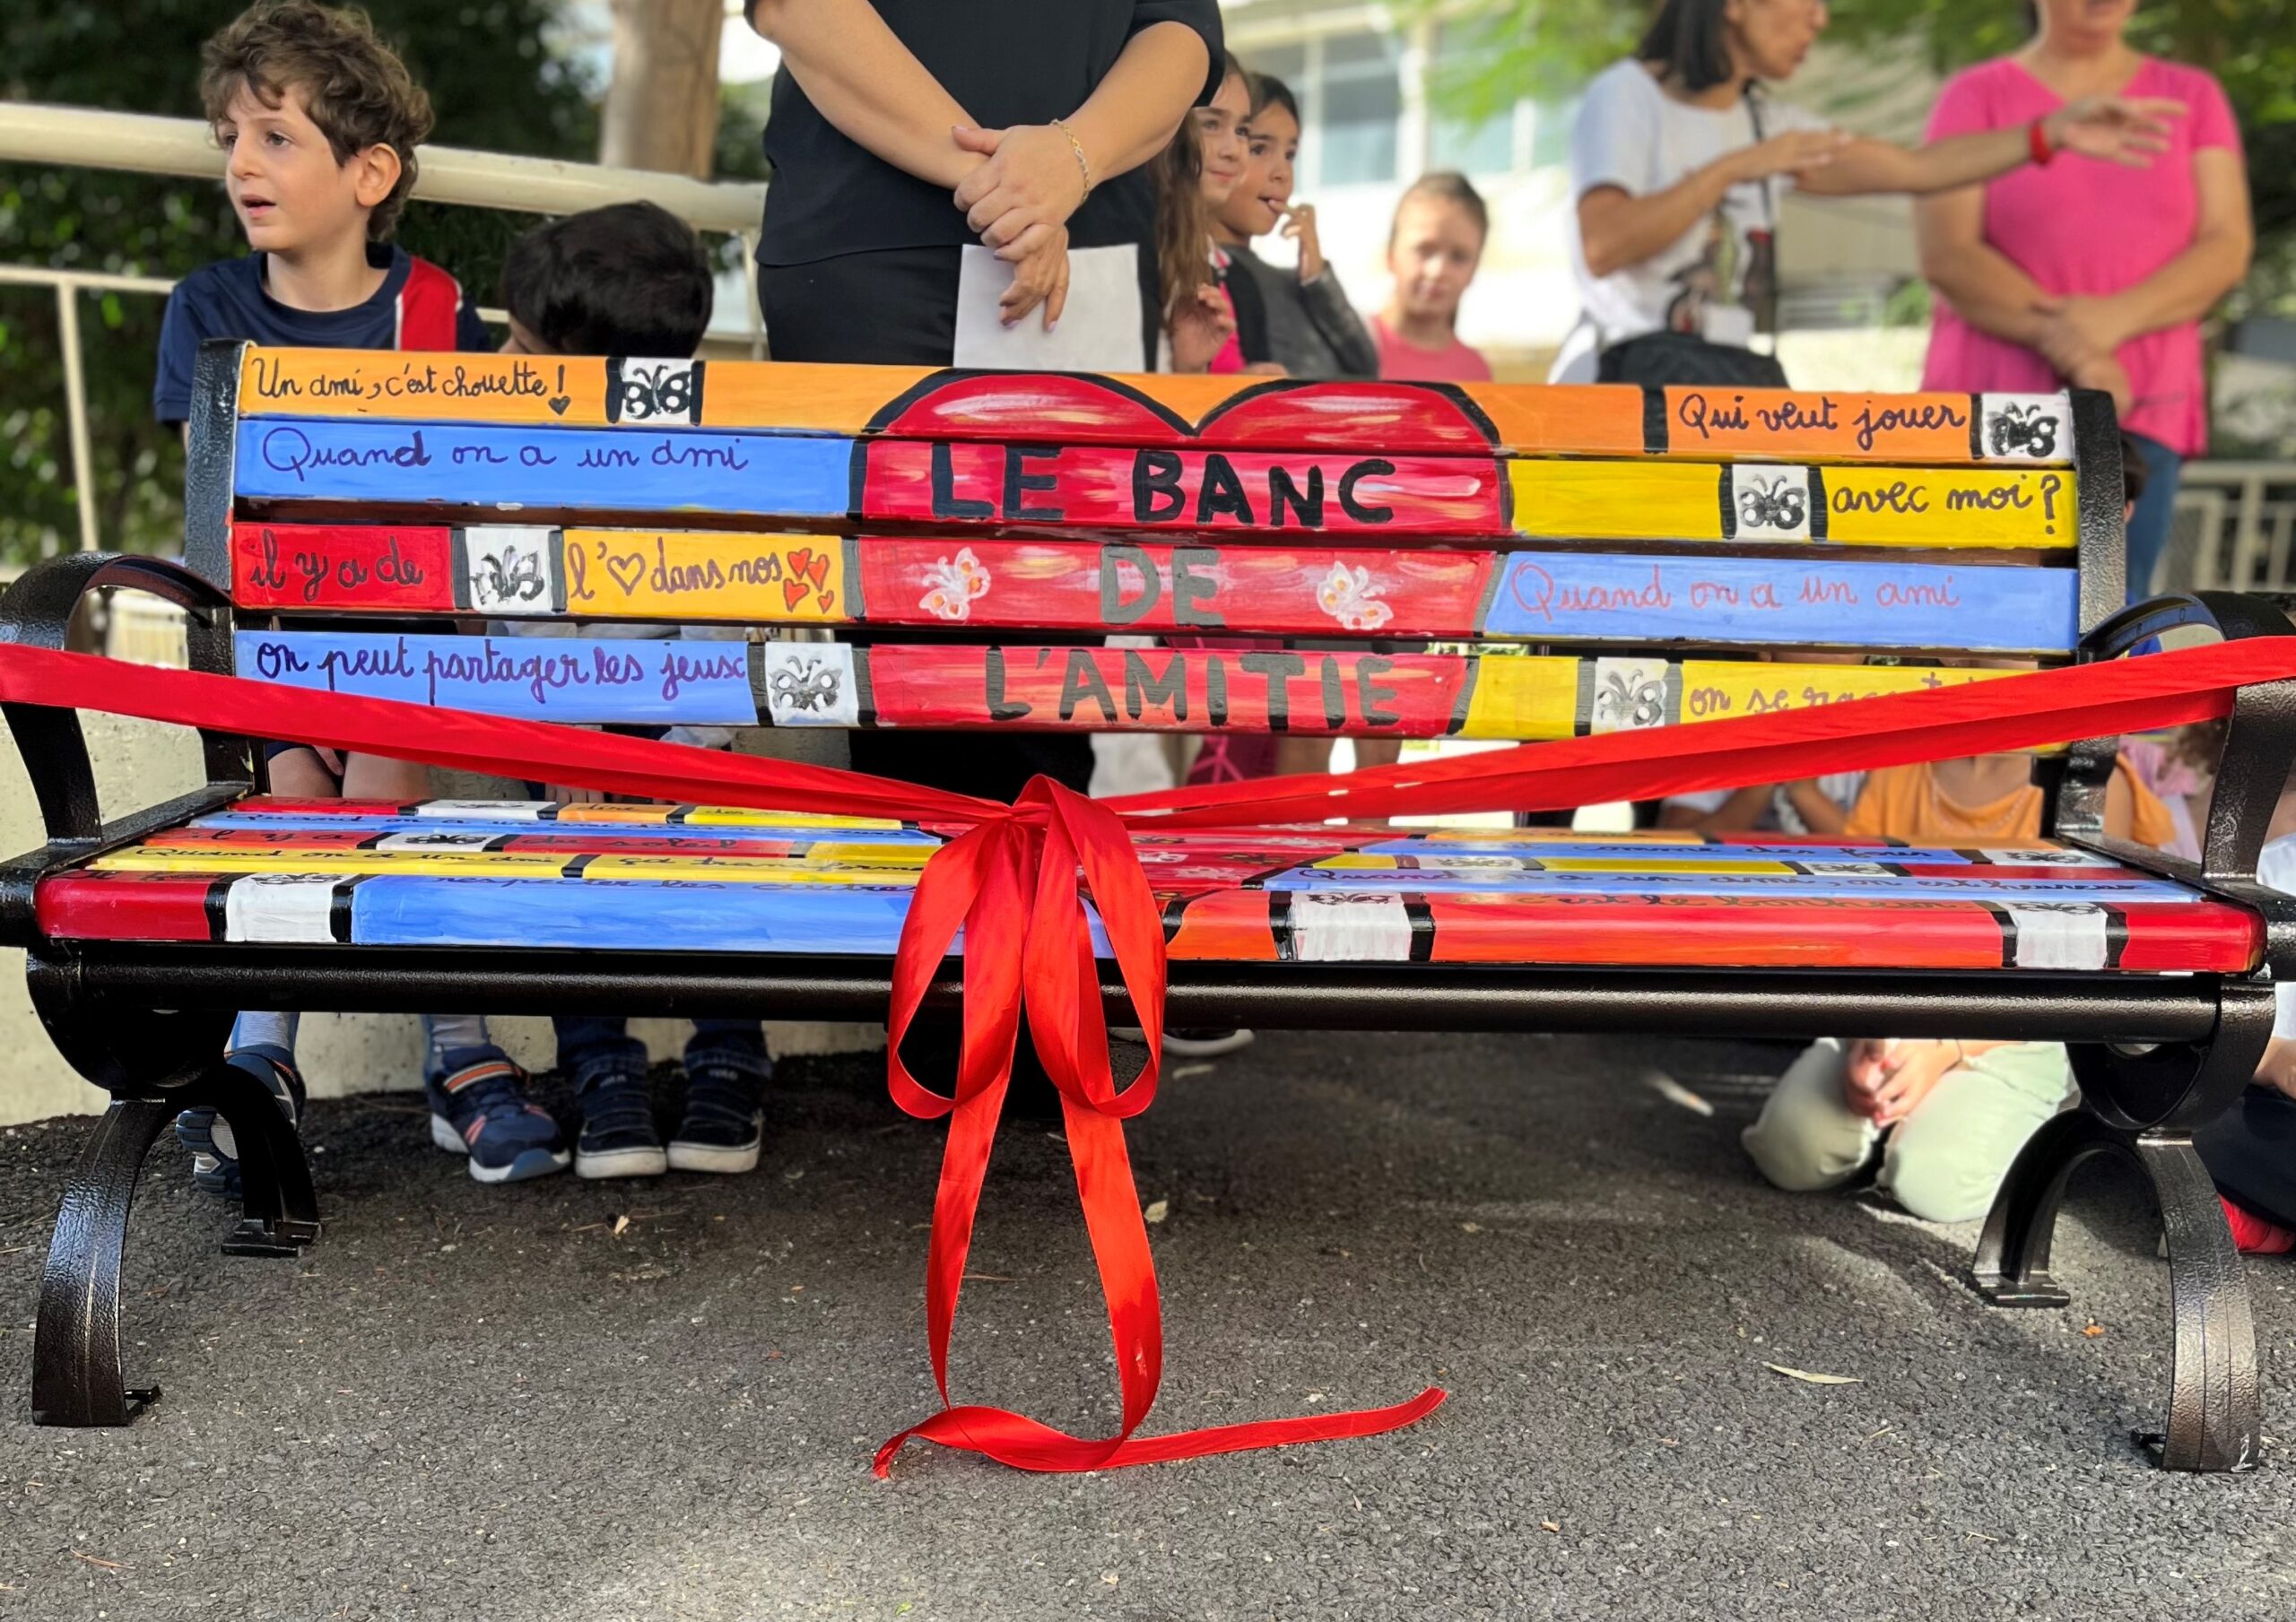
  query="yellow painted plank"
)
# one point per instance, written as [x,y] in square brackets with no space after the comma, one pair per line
[496,864]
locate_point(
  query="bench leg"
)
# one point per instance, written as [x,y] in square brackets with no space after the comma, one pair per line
[279,1211]
[76,1349]
[2213,1412]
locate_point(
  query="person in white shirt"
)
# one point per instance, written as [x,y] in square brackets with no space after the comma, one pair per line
[1678,158]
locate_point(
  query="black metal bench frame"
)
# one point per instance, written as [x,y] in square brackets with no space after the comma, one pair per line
[2156,1057]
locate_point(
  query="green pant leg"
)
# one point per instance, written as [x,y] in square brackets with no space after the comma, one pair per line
[1945,1161]
[1807,1138]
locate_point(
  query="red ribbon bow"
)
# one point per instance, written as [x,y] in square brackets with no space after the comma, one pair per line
[1016,877]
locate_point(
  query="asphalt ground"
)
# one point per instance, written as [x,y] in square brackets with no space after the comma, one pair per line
[565,1400]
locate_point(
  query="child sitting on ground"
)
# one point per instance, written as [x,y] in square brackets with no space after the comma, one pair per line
[1947,1117]
[319,122]
[2250,1149]
[632,279]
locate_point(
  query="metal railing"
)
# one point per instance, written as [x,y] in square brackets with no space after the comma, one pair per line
[2234,529]
[92,138]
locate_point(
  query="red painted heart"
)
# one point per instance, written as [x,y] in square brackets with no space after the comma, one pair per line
[793,592]
[817,571]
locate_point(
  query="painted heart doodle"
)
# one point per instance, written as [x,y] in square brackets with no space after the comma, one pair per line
[628,568]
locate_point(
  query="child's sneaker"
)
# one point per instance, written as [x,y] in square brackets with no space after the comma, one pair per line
[215,1152]
[481,1110]
[725,1117]
[618,1138]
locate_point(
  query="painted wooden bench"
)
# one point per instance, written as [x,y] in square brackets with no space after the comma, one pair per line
[1566,560]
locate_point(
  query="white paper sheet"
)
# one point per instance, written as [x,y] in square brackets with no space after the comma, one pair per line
[1098,330]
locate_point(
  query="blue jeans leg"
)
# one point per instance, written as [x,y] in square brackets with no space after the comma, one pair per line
[741,1036]
[2148,525]
[582,1037]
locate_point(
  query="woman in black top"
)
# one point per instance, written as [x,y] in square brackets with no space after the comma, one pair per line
[902,130]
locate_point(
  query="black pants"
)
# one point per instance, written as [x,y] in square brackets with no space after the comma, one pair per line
[2250,1153]
[896,307]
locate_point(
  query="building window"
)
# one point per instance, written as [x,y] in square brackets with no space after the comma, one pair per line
[1357,104]
[1482,146]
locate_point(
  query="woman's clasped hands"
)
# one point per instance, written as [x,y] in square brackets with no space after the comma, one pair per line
[1018,200]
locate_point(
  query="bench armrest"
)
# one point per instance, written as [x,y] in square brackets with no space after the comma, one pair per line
[37,612]
[2259,739]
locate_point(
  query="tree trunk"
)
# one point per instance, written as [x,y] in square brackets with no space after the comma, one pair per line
[662,106]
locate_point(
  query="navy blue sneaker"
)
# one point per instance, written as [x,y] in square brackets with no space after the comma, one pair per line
[215,1152]
[724,1118]
[482,1110]
[618,1135]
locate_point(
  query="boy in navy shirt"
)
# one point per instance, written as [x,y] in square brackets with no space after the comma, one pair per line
[320,121]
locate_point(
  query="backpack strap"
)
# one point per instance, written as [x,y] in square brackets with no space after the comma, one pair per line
[428,307]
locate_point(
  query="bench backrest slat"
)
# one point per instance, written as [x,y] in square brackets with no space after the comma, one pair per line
[959,520]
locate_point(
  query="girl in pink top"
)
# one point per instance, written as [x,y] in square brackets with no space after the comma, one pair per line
[2071,270]
[1432,251]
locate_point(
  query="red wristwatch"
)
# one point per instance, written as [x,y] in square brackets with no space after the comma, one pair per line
[2036,141]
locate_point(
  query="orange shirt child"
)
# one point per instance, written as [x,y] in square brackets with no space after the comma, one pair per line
[1916,802]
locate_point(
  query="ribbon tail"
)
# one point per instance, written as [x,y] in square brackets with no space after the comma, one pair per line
[1025,1444]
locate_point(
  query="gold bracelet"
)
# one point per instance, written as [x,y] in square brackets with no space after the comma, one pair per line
[1084,164]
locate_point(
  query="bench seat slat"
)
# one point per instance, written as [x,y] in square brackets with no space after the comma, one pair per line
[1900,923]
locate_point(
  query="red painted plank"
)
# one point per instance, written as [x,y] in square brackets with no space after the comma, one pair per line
[362,566]
[123,907]
[1400,695]
[1082,586]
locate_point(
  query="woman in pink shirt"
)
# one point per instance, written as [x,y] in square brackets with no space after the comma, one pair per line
[2076,271]
[1433,248]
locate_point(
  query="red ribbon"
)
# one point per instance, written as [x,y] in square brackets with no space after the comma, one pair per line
[1013,875]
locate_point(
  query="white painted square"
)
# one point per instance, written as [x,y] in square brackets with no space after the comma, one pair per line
[1771,503]
[296,907]
[1844,869]
[484,811]
[513,568]
[443,839]
[1348,928]
[811,684]
[2064,936]
[2025,428]
[657,393]
[2053,857]
[1630,695]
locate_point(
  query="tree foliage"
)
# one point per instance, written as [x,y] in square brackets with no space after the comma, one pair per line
[494,81]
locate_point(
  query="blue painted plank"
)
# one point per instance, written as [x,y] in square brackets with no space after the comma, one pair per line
[1784,885]
[1853,850]
[623,470]
[1622,597]
[612,914]
[775,833]
[553,679]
